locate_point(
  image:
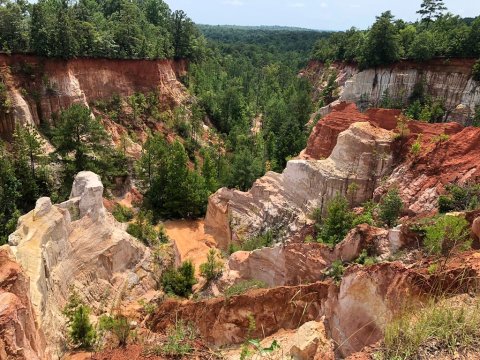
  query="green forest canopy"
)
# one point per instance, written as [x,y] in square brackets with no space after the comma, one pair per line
[99,28]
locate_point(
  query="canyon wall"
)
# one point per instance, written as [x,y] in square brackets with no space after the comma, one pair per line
[449,80]
[38,88]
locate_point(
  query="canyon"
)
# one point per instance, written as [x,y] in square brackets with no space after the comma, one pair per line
[78,245]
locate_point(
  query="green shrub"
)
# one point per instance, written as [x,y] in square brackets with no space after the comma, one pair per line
[117,325]
[441,326]
[336,271]
[257,242]
[447,233]
[122,213]
[244,286]
[143,230]
[180,340]
[459,198]
[390,208]
[365,259]
[179,281]
[416,148]
[476,71]
[338,221]
[81,332]
[212,269]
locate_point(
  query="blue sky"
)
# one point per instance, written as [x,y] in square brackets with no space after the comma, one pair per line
[314,14]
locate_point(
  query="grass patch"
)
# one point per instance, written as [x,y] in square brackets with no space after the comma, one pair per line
[244,286]
[438,326]
[253,243]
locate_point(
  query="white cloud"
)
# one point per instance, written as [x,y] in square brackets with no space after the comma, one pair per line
[296,5]
[323,5]
[234,2]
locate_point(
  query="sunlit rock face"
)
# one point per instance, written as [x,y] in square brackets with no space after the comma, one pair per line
[77,245]
[283,202]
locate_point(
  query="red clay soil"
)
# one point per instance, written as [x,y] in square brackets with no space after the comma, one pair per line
[324,135]
[223,321]
[455,160]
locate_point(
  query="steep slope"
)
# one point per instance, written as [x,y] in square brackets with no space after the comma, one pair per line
[20,336]
[38,88]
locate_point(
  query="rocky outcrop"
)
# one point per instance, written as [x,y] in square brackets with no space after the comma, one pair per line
[448,80]
[323,138]
[223,321]
[300,263]
[78,245]
[40,87]
[282,202]
[20,337]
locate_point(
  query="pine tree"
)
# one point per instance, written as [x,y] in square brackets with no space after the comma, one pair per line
[383,42]
[431,9]
[80,135]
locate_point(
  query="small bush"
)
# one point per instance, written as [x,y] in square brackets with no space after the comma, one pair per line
[117,325]
[81,332]
[440,138]
[143,230]
[365,259]
[244,286]
[438,325]
[447,233]
[336,271]
[459,198]
[337,223]
[179,281]
[416,148]
[122,213]
[390,208]
[212,269]
[179,342]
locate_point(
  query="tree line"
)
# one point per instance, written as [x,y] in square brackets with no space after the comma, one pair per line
[437,34]
[145,29]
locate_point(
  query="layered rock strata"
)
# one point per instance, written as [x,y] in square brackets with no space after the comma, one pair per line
[447,80]
[78,245]
[20,336]
[283,202]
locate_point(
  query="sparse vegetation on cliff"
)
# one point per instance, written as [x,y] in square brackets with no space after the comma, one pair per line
[212,269]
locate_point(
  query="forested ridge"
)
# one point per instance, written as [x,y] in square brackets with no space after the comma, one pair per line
[98,28]
[437,33]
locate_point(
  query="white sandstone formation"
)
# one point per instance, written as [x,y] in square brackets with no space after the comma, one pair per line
[283,202]
[78,245]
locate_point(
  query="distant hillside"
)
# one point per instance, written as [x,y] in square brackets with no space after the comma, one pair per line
[281,38]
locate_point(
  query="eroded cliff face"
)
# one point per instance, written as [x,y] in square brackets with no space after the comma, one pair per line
[283,202]
[38,88]
[78,245]
[20,336]
[448,80]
